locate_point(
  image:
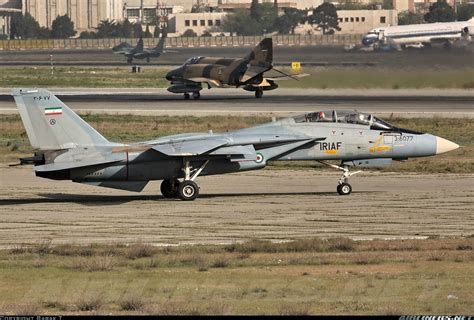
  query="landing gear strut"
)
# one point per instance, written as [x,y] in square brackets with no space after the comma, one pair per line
[196,95]
[259,93]
[343,187]
[187,190]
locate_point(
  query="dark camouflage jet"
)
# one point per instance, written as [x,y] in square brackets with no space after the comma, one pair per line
[70,149]
[246,73]
[139,52]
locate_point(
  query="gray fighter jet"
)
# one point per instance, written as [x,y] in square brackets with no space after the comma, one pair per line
[70,149]
[139,52]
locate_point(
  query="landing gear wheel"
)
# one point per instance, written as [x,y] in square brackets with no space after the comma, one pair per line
[188,190]
[186,96]
[148,60]
[196,95]
[259,93]
[344,189]
[169,188]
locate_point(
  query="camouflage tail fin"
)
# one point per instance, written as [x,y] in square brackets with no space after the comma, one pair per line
[50,124]
[262,54]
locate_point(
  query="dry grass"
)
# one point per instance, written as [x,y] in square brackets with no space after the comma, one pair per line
[140,250]
[343,277]
[92,302]
[95,263]
[133,302]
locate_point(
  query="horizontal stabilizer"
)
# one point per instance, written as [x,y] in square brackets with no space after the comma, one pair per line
[289,77]
[135,186]
[190,147]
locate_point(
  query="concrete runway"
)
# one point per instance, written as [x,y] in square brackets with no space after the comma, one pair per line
[269,204]
[281,102]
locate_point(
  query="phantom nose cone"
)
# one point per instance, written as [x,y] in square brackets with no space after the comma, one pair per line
[443,145]
[174,74]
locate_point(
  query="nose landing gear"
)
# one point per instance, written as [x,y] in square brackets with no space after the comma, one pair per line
[343,187]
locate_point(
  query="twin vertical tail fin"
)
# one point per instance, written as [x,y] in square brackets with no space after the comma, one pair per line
[50,124]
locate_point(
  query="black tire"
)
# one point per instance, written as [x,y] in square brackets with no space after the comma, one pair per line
[169,189]
[344,189]
[196,95]
[188,190]
[259,93]
[186,96]
[148,60]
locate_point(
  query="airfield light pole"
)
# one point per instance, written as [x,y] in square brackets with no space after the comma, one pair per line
[52,65]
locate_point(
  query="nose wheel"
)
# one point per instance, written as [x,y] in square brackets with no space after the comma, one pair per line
[343,187]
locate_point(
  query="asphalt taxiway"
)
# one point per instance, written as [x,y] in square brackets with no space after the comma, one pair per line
[281,102]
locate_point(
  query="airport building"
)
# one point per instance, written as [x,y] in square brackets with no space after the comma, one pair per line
[198,22]
[361,21]
[7,8]
[86,14]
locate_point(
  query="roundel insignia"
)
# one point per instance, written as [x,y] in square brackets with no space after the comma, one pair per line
[259,158]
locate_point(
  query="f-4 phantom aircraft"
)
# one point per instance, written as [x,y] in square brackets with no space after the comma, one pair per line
[70,149]
[246,73]
[139,52]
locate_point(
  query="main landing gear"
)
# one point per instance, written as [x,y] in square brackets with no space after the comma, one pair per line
[259,93]
[343,187]
[187,190]
[196,95]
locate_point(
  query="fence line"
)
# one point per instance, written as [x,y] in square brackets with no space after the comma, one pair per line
[219,41]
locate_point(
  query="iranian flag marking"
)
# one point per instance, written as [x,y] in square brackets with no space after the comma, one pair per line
[53,111]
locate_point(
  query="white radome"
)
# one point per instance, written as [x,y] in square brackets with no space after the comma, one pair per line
[443,145]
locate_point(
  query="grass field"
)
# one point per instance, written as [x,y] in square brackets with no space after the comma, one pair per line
[312,276]
[14,142]
[121,77]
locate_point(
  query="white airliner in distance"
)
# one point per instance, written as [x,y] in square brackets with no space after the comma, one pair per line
[414,34]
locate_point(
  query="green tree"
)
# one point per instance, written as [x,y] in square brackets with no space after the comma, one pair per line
[240,23]
[407,17]
[325,18]
[268,17]
[287,22]
[157,32]
[62,28]
[88,35]
[255,10]
[465,11]
[189,33]
[440,11]
[127,29]
[147,33]
[137,30]
[24,27]
[107,29]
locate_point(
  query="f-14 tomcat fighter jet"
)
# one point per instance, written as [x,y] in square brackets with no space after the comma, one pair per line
[70,149]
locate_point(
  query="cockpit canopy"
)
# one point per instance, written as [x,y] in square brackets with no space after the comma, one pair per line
[193,60]
[352,117]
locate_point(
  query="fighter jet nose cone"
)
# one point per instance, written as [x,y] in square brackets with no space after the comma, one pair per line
[443,145]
